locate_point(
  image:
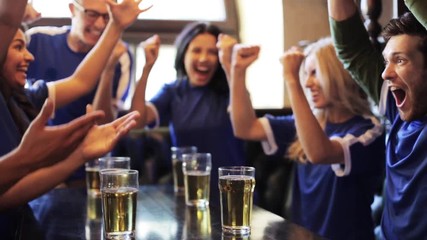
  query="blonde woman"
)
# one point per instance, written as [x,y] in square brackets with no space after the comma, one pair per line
[332,134]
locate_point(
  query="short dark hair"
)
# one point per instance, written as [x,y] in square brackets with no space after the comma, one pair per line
[409,25]
[190,31]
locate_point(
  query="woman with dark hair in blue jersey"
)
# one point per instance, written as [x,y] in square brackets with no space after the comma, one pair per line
[195,105]
[29,169]
[332,134]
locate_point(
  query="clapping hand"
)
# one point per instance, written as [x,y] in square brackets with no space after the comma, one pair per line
[101,139]
[49,144]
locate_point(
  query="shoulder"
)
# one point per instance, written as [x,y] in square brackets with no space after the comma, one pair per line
[364,128]
[47,30]
[37,93]
[45,35]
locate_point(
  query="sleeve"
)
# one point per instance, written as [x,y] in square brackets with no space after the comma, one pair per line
[280,133]
[363,147]
[37,93]
[358,55]
[419,9]
[161,104]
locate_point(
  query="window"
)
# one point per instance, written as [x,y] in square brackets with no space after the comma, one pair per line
[168,17]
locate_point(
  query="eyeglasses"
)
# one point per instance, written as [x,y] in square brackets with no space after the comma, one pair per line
[91,15]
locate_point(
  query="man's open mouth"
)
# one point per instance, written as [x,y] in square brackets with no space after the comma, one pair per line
[399,96]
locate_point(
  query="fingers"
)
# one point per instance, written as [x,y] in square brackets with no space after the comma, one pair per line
[89,108]
[45,113]
[126,119]
[88,119]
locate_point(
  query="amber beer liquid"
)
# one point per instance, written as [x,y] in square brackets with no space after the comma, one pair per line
[197,190]
[94,209]
[119,210]
[236,202]
[93,182]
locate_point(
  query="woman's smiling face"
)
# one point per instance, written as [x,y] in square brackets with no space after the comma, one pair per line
[201,59]
[406,75]
[18,58]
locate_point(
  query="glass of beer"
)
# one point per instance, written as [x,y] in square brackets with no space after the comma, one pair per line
[119,188]
[178,176]
[92,178]
[93,167]
[236,187]
[197,171]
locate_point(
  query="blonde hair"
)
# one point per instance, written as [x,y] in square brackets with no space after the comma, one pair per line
[340,90]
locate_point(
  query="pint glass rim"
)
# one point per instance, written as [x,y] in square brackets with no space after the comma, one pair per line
[184,149]
[236,170]
[116,158]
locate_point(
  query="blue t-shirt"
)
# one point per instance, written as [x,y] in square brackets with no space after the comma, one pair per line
[54,60]
[336,203]
[198,116]
[405,212]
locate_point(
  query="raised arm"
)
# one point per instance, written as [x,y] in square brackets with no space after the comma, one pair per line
[86,76]
[245,123]
[353,47]
[341,9]
[104,98]
[11,13]
[151,48]
[310,132]
[97,142]
[419,9]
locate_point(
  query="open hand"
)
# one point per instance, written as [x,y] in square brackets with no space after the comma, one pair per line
[47,145]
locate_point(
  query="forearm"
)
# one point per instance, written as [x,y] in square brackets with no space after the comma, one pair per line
[314,142]
[12,169]
[419,9]
[103,97]
[358,55]
[40,181]
[138,99]
[243,118]
[341,9]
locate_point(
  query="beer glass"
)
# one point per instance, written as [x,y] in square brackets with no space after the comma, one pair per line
[114,162]
[197,170]
[92,178]
[93,167]
[119,188]
[236,187]
[178,176]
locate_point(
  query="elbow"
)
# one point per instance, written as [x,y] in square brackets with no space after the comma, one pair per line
[239,134]
[318,157]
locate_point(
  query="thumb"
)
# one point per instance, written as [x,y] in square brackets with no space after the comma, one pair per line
[89,108]
[45,113]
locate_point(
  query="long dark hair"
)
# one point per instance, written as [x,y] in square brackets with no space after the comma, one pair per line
[190,31]
[18,101]
[409,25]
